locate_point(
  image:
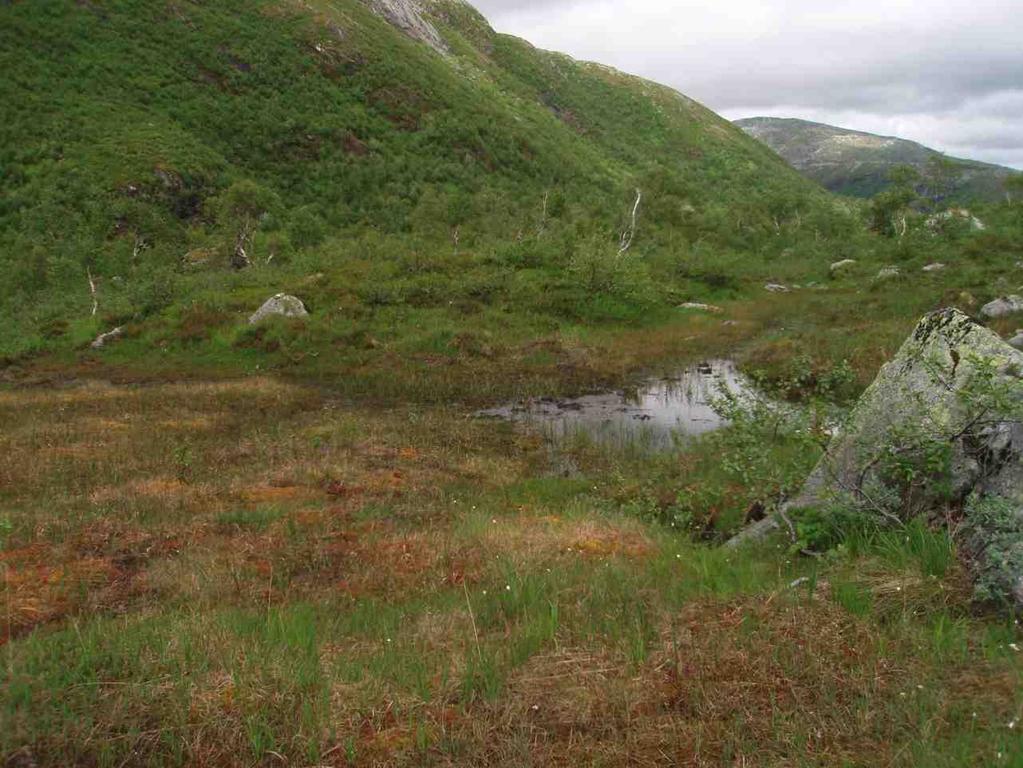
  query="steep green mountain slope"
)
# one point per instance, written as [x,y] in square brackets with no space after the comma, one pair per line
[857,164]
[407,174]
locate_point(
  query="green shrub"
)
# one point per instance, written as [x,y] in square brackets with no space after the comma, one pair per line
[993,532]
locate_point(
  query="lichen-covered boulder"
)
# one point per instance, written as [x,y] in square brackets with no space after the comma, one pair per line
[939,430]
[925,389]
[281,305]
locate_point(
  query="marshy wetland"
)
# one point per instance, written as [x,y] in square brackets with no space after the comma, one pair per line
[255,567]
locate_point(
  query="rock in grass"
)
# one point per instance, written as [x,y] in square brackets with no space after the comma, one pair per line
[967,299]
[701,307]
[949,408]
[923,391]
[777,288]
[1007,305]
[936,267]
[105,338]
[281,305]
[889,273]
[938,220]
[197,258]
[844,267]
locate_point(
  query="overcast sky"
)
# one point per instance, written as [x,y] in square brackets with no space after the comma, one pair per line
[946,73]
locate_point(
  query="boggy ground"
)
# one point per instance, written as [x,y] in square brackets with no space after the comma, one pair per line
[252,572]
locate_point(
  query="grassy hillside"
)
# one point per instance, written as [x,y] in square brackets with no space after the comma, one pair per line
[400,192]
[857,164]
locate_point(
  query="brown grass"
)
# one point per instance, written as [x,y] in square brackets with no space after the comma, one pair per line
[256,498]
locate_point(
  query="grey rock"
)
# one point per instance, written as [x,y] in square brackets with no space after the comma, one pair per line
[1006,305]
[936,267]
[936,221]
[842,267]
[777,288]
[889,273]
[105,338]
[925,392]
[700,307]
[281,305]
[1016,342]
[921,386]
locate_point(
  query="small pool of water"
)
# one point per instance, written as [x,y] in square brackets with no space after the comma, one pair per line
[657,414]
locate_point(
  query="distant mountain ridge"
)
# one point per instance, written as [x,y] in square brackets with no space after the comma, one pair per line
[857,164]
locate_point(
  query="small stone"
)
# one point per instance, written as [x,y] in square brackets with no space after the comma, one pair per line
[889,273]
[701,307]
[104,338]
[936,267]
[842,267]
[777,288]
[281,305]
[199,257]
[938,220]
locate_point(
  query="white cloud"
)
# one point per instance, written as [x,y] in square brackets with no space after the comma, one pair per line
[945,73]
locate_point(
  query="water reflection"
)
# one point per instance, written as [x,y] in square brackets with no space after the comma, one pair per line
[656,414]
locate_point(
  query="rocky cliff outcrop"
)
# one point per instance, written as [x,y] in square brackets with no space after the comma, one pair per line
[407,15]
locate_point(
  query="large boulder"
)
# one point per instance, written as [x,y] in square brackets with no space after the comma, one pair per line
[281,305]
[938,430]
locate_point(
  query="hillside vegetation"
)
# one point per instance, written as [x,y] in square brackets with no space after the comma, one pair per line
[359,167]
[858,164]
